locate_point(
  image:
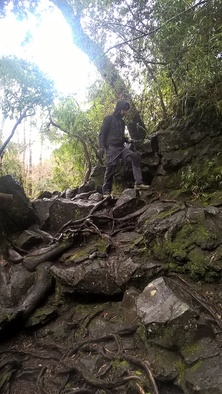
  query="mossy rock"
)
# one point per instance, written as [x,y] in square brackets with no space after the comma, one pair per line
[190,251]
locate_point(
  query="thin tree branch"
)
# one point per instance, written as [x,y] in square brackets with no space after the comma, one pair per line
[87,157]
[23,116]
[157,28]
[51,122]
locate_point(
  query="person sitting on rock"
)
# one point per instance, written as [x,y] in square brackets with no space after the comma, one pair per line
[111,141]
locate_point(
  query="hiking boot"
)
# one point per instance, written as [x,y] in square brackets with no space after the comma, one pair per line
[141,186]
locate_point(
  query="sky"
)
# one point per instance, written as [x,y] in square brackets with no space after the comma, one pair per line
[52,49]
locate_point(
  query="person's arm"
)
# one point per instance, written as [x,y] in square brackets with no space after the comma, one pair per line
[104,131]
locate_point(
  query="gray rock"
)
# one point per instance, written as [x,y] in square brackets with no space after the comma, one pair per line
[45,194]
[14,256]
[162,219]
[158,304]
[70,193]
[203,348]
[127,203]
[28,239]
[53,214]
[14,284]
[95,197]
[20,214]
[129,305]
[205,376]
[62,211]
[41,208]
[96,276]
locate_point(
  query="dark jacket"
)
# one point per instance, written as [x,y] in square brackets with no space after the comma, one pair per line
[113,127]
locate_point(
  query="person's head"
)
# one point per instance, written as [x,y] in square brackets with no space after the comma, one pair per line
[122,107]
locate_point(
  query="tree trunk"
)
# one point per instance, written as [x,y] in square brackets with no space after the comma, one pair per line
[87,157]
[103,64]
[17,123]
[30,162]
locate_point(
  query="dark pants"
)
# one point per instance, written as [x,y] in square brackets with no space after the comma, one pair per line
[113,154]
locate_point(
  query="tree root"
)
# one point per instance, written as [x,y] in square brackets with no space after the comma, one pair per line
[139,388]
[122,331]
[10,367]
[77,391]
[144,365]
[77,223]
[93,381]
[32,260]
[133,360]
[133,215]
[40,380]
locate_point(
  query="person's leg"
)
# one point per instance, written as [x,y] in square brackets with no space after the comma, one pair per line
[112,155]
[108,179]
[133,158]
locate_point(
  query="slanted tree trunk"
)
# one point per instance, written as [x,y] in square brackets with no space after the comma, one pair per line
[17,123]
[87,157]
[30,162]
[103,64]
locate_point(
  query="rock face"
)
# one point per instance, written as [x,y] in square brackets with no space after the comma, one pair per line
[98,276]
[127,289]
[19,215]
[185,155]
[158,304]
[122,295]
[188,154]
[128,202]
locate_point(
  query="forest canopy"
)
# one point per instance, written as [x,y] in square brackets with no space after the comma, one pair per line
[163,56]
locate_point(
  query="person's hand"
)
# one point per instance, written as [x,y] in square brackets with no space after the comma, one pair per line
[101,152]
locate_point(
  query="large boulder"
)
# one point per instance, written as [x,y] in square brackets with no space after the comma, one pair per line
[158,304]
[127,203]
[188,155]
[19,215]
[97,276]
[54,213]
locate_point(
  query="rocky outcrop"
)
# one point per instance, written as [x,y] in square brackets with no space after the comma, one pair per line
[18,215]
[123,294]
[185,155]
[119,295]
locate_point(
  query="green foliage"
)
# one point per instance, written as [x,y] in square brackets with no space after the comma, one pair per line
[168,54]
[160,49]
[20,7]
[199,177]
[41,178]
[168,49]
[103,101]
[197,264]
[12,163]
[23,87]
[189,44]
[73,121]
[79,137]
[43,184]
[78,143]
[69,167]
